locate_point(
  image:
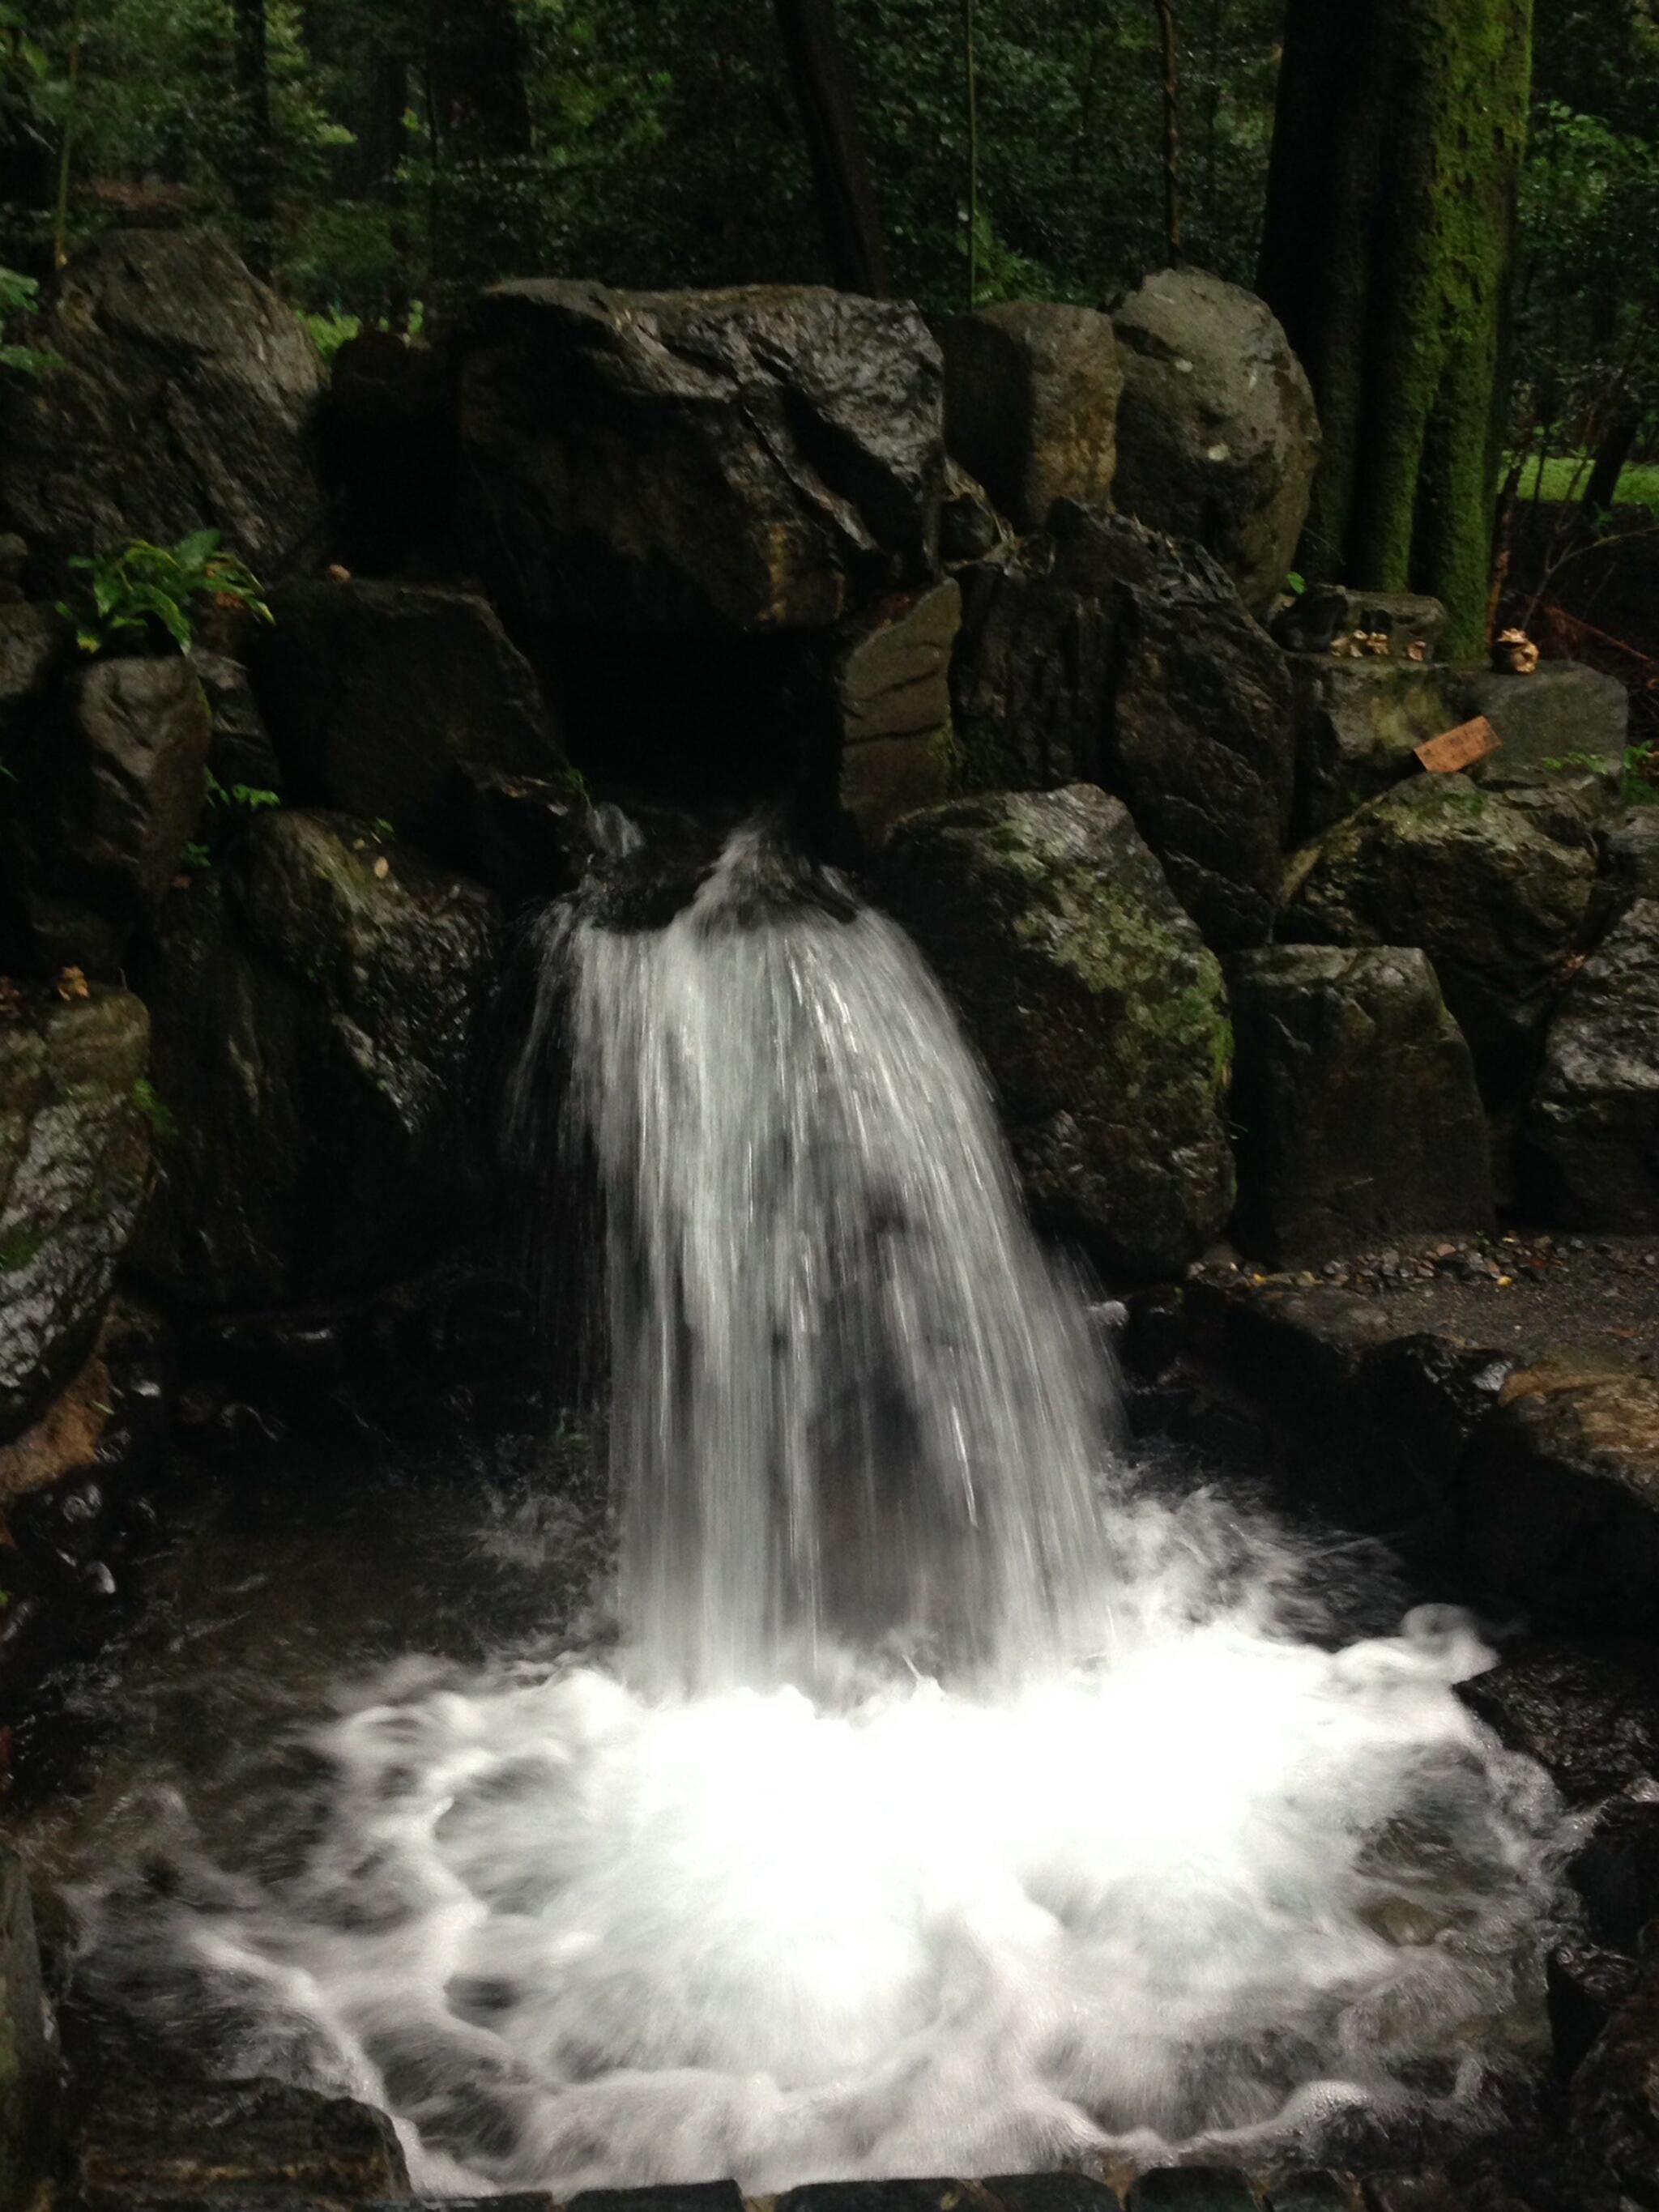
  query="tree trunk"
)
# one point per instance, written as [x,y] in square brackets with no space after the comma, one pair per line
[480,99]
[840,177]
[1386,256]
[1617,444]
[255,180]
[1166,36]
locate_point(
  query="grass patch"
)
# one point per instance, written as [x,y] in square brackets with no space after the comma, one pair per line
[1565,476]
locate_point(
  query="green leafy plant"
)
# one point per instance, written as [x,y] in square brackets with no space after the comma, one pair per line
[1564,764]
[1641,775]
[153,1107]
[251,797]
[19,295]
[141,587]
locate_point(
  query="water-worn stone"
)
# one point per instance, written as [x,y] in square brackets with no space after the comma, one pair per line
[771,457]
[26,2084]
[376,693]
[1302,1352]
[1589,1717]
[153,2135]
[1559,1503]
[1049,2192]
[1104,651]
[103,809]
[1099,1012]
[1583,1987]
[1192,2189]
[1031,395]
[1613,2113]
[183,402]
[1354,1099]
[893,699]
[1595,1116]
[73,1156]
[318,1005]
[1218,435]
[1615,1870]
[1495,903]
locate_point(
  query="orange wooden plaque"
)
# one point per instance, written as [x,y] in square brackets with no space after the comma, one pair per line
[1460,748]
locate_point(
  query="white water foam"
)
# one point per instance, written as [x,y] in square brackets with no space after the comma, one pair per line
[951,1806]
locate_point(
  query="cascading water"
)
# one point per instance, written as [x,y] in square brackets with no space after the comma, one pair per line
[952,1803]
[850,1401]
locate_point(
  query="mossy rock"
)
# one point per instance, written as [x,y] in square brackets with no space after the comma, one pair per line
[1496,904]
[1100,1013]
[320,1005]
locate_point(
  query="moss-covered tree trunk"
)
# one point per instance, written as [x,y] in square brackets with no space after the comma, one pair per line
[1386,256]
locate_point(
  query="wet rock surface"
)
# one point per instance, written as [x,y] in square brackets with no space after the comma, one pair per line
[166,331]
[319,1009]
[378,694]
[160,2135]
[771,457]
[102,811]
[29,2082]
[1594,1115]
[1354,1101]
[1560,1505]
[1496,904]
[1031,393]
[1102,650]
[1218,436]
[1097,1008]
[74,1159]
[893,696]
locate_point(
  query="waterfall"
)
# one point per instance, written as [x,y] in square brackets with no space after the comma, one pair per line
[851,1401]
[960,1799]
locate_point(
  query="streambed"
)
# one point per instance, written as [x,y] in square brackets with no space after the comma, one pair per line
[362,1799]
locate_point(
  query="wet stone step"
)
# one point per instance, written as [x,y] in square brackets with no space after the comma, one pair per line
[1315,2189]
[1193,2188]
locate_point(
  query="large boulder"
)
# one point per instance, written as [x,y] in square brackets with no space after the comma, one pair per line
[1630,861]
[1357,1116]
[1357,726]
[104,805]
[1102,651]
[74,1162]
[1100,1013]
[1564,714]
[1558,1501]
[183,402]
[768,458]
[893,707]
[318,1006]
[376,694]
[1496,904]
[1030,403]
[1613,2141]
[1594,1118]
[1218,437]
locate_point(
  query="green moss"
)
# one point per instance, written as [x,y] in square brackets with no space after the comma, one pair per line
[1418,107]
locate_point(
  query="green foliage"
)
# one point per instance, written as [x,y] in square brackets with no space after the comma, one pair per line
[155,1111]
[19,296]
[141,589]
[252,798]
[1641,775]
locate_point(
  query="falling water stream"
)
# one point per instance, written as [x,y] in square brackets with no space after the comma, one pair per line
[951,1798]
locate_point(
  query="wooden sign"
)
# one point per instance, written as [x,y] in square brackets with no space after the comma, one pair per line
[1460,748]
